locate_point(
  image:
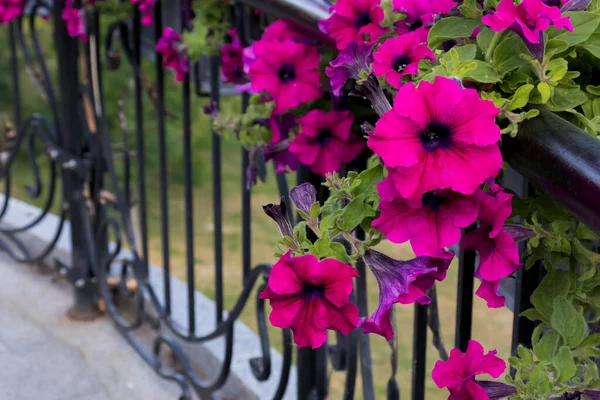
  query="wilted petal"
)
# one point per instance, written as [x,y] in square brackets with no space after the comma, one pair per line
[575,5]
[497,390]
[519,232]
[304,196]
[397,282]
[279,214]
[348,64]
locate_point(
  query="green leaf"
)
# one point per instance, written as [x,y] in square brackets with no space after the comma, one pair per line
[539,380]
[315,210]
[353,213]
[368,180]
[338,251]
[584,24]
[564,365]
[483,73]
[484,38]
[556,46]
[592,44]
[555,283]
[568,322]
[321,248]
[521,97]
[470,9]
[583,232]
[532,314]
[545,91]
[451,28]
[566,97]
[507,55]
[546,347]
[589,346]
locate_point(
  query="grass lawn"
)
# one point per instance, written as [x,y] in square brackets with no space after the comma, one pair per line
[491,327]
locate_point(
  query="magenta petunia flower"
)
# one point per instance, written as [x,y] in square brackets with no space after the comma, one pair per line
[10,9]
[310,296]
[174,53]
[232,66]
[400,56]
[436,224]
[488,291]
[146,7]
[420,15]
[498,256]
[438,136]
[401,282]
[528,19]
[289,73]
[278,149]
[495,206]
[348,65]
[459,372]
[325,141]
[74,20]
[354,21]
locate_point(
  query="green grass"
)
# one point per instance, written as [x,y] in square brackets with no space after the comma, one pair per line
[491,327]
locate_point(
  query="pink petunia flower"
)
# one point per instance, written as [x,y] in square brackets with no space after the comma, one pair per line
[420,15]
[74,20]
[289,73]
[146,7]
[459,372]
[354,21]
[325,141]
[438,136]
[401,282]
[278,149]
[400,56]
[10,9]
[528,19]
[174,53]
[232,66]
[310,296]
[436,224]
[498,251]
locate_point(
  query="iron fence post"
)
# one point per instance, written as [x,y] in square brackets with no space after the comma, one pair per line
[70,138]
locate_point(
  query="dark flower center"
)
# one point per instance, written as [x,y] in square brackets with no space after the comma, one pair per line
[432,200]
[399,63]
[286,73]
[325,137]
[436,136]
[311,292]
[363,19]
[416,24]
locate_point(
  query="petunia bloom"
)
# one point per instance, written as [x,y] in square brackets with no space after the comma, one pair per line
[146,7]
[10,9]
[278,213]
[438,136]
[232,66]
[436,224]
[325,141]
[459,372]
[488,291]
[354,21]
[289,73]
[278,149]
[400,56]
[348,65]
[495,206]
[310,296]
[420,15]
[174,53]
[401,282]
[528,19]
[74,20]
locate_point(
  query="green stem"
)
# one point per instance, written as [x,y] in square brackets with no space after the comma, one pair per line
[492,46]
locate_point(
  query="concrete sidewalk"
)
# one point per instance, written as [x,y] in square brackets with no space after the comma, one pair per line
[46,356]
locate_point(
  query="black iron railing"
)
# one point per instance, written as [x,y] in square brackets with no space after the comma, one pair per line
[553,154]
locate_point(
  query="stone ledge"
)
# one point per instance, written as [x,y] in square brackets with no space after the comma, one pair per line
[207,357]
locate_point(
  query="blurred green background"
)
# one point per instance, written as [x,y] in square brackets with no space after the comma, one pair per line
[491,327]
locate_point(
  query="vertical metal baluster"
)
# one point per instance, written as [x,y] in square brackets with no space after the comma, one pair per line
[464,300]
[139,134]
[163,183]
[66,48]
[14,62]
[246,212]
[419,352]
[217,193]
[189,204]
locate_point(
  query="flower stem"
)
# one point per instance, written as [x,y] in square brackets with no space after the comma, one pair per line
[490,50]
